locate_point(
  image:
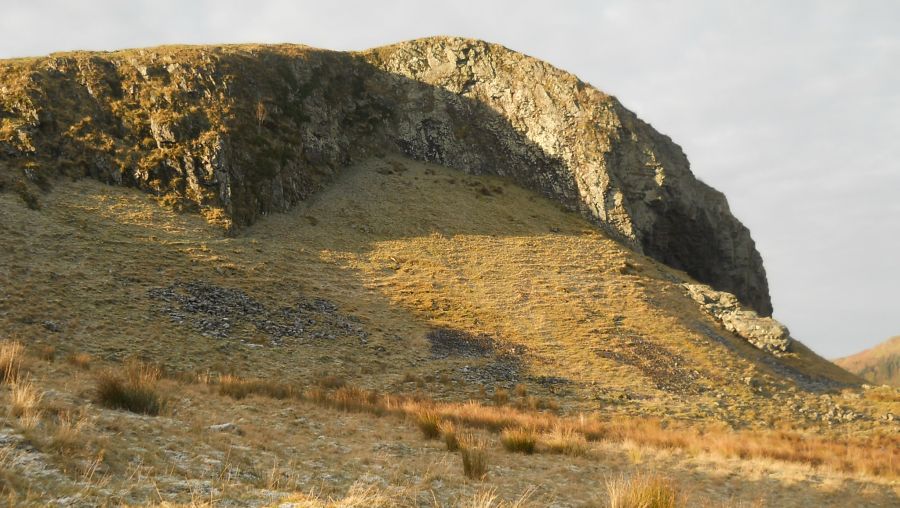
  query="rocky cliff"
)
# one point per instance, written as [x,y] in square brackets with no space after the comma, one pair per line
[236,132]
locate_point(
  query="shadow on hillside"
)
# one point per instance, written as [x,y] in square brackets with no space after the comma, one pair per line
[262,128]
[299,118]
[259,129]
[332,109]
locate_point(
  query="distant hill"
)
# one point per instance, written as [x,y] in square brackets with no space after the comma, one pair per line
[880,364]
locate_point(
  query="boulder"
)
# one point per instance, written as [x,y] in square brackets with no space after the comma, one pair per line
[764,333]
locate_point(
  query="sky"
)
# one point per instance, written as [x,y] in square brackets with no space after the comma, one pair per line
[792,109]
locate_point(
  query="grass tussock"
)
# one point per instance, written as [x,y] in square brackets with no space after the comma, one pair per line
[11,355]
[449,435]
[489,499]
[643,491]
[355,399]
[519,440]
[133,387]
[566,441]
[80,360]
[875,455]
[24,402]
[239,388]
[429,422]
[331,382]
[358,496]
[492,418]
[474,457]
[68,431]
[531,403]
[47,353]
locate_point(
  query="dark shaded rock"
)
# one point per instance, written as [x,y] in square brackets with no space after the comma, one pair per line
[218,312]
[668,370]
[448,342]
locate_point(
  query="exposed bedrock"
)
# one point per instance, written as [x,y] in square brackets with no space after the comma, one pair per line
[242,131]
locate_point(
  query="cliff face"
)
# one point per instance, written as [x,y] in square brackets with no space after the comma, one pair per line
[239,132]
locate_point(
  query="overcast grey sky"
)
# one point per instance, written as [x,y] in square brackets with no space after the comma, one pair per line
[792,108]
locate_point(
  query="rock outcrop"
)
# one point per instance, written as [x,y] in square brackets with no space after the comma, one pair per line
[241,131]
[764,333]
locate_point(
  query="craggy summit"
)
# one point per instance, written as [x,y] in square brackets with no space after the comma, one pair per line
[242,131]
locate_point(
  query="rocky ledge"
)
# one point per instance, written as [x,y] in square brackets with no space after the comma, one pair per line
[237,132]
[764,333]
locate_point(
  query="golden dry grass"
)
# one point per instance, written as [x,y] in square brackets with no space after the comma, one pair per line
[358,496]
[24,402]
[455,259]
[521,440]
[71,433]
[47,353]
[449,435]
[80,360]
[237,387]
[473,453]
[428,422]
[11,354]
[399,266]
[489,499]
[565,440]
[521,390]
[643,491]
[354,398]
[133,387]
[883,394]
[877,455]
[67,434]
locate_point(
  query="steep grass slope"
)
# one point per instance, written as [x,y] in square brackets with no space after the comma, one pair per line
[373,278]
[410,279]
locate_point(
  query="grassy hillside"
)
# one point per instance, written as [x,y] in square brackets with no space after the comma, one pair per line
[879,365]
[420,287]
[238,132]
